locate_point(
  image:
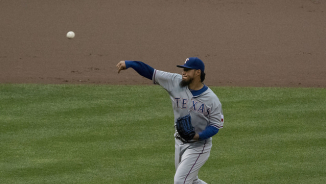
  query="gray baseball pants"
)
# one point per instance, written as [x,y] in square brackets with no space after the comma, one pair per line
[189,158]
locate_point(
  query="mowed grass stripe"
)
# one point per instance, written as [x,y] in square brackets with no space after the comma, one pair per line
[79,125]
[277,135]
[124,134]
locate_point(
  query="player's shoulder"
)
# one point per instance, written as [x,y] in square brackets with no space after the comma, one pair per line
[212,95]
[165,74]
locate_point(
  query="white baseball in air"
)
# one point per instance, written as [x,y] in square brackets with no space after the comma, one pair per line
[70,34]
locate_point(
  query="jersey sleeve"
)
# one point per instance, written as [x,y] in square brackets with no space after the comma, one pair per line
[209,131]
[165,79]
[141,68]
[216,118]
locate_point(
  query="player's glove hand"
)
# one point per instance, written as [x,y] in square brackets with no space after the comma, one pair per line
[185,128]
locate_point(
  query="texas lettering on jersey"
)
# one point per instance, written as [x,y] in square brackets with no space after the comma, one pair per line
[195,105]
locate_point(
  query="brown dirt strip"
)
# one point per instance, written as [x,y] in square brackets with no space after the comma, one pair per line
[242,42]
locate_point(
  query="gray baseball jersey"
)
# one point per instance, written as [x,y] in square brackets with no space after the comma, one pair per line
[204,109]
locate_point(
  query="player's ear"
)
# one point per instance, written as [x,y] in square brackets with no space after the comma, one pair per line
[198,72]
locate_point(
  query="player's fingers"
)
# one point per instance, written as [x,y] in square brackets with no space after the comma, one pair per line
[119,67]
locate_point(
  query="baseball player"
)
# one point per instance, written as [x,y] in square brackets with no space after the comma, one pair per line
[197,111]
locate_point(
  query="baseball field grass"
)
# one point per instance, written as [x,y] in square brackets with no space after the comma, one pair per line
[124,134]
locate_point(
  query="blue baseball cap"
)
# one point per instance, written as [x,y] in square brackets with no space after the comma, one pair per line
[193,63]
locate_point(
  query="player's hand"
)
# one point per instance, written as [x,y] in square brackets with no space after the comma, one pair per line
[196,137]
[121,66]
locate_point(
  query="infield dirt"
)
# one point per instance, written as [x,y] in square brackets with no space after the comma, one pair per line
[242,42]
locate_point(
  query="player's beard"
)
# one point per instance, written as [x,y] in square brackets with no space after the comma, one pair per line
[185,83]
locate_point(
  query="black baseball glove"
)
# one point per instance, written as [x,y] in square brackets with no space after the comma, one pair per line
[185,128]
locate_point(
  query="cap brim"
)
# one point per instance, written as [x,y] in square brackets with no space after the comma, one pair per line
[183,66]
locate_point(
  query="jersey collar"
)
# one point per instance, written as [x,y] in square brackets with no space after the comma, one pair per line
[198,92]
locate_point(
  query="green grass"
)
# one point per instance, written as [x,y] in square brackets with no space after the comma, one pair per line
[124,134]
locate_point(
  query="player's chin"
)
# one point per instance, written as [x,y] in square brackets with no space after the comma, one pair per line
[184,82]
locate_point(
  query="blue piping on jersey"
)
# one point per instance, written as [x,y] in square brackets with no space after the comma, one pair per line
[198,92]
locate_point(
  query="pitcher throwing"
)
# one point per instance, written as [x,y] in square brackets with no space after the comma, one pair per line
[197,111]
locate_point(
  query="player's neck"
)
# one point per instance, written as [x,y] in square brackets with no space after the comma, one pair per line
[196,85]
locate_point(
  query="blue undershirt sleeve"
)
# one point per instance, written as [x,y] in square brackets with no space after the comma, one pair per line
[141,68]
[208,132]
